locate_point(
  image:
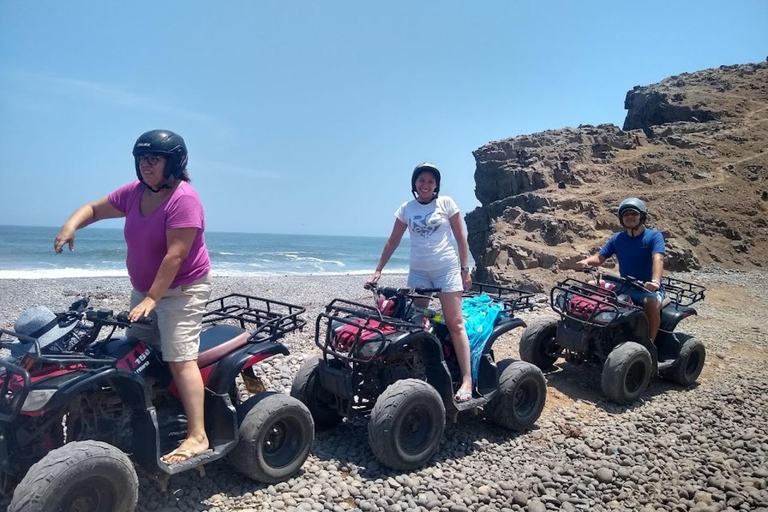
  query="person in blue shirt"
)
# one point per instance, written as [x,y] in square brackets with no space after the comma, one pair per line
[640,251]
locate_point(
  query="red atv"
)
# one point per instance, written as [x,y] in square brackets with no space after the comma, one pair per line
[73,424]
[396,362]
[599,324]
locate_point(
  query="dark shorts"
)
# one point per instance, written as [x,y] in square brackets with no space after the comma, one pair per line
[638,296]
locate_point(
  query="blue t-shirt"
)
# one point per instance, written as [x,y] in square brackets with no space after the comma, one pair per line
[635,254]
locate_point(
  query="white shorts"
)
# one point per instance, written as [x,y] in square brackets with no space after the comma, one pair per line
[448,279]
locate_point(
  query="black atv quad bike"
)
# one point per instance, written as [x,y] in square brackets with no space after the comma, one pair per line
[600,324]
[396,362]
[73,424]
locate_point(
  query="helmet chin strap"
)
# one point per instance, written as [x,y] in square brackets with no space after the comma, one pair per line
[165,184]
[416,196]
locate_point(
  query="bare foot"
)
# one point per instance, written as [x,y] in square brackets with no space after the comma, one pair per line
[191,447]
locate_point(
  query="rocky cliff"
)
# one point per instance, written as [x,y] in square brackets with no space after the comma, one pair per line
[694,147]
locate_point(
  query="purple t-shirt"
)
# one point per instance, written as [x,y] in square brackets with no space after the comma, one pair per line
[146,236]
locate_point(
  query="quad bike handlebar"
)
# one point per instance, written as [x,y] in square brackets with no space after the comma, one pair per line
[389,291]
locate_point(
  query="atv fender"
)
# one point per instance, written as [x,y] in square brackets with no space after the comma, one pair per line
[502,327]
[222,377]
[488,374]
[673,315]
[431,351]
[126,384]
[131,390]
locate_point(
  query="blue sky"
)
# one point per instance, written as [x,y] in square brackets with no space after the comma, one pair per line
[308,117]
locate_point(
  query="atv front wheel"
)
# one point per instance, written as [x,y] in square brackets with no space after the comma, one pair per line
[626,372]
[406,424]
[82,475]
[521,396]
[308,389]
[538,344]
[276,433]
[689,363]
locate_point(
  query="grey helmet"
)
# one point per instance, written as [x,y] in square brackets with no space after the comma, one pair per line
[633,203]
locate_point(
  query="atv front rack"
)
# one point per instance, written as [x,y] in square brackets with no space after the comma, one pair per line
[513,299]
[362,324]
[15,379]
[266,319]
[605,300]
[684,292]
[14,388]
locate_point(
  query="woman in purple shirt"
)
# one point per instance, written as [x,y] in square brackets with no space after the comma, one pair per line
[167,262]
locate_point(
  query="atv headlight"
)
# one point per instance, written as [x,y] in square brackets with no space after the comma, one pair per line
[369,349]
[36,399]
[605,317]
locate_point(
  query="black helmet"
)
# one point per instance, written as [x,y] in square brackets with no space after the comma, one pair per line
[428,167]
[167,144]
[633,203]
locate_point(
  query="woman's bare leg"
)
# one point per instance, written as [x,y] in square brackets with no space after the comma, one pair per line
[189,382]
[451,304]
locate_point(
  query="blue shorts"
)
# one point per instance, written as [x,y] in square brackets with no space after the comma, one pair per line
[448,279]
[638,296]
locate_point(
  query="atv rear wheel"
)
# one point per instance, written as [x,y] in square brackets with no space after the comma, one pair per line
[521,397]
[626,372]
[406,424]
[276,433]
[82,475]
[689,363]
[308,389]
[538,344]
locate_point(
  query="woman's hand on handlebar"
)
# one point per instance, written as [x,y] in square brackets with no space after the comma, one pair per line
[374,278]
[142,309]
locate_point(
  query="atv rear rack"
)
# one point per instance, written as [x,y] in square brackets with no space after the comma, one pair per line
[685,293]
[272,319]
[367,324]
[513,299]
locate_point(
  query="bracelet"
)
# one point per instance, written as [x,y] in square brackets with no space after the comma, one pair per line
[656,281]
[465,269]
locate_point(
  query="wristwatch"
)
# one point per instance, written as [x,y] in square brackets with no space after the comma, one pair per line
[465,269]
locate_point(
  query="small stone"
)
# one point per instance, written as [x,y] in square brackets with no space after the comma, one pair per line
[520,498]
[604,475]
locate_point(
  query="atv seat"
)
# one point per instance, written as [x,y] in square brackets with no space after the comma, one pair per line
[218,341]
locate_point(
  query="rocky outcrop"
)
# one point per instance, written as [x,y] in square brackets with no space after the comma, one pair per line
[694,147]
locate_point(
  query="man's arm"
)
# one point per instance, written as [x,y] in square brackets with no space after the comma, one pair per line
[657,271]
[595,260]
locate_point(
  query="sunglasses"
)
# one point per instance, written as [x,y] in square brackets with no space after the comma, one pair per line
[150,159]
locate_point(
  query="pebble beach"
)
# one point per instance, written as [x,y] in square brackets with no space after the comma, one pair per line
[703,448]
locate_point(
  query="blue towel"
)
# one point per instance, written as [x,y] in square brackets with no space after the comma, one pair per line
[480,315]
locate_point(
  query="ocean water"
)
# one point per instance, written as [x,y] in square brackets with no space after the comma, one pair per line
[27,252]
